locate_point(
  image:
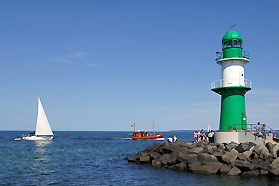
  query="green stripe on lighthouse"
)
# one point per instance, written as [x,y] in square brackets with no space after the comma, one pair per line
[233,114]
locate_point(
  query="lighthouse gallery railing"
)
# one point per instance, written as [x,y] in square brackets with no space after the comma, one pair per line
[220,83]
[219,55]
[252,128]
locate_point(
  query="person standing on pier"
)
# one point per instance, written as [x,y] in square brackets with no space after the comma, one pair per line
[270,135]
[263,131]
[169,139]
[195,136]
[258,128]
[211,137]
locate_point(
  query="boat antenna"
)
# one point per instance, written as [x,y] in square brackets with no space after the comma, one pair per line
[134,127]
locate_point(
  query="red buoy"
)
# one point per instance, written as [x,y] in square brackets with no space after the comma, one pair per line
[65,132]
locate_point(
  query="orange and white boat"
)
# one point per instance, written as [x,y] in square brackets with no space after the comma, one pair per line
[143,135]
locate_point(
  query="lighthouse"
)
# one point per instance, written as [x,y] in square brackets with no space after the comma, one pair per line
[232,87]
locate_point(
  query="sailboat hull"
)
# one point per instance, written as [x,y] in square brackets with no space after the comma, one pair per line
[37,138]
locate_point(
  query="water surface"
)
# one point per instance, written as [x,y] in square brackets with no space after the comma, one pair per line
[94,158]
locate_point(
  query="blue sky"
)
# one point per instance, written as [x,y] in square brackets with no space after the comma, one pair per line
[103,65]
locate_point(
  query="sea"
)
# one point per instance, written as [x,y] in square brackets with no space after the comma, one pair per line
[95,158]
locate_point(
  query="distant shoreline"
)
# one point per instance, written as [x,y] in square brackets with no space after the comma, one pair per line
[189,130]
[105,130]
[182,130]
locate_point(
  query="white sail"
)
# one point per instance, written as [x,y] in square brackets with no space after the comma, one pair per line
[43,127]
[208,127]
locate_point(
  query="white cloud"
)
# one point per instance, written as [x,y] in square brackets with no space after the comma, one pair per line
[80,54]
[263,105]
[193,115]
[92,65]
[265,92]
[72,57]
[265,96]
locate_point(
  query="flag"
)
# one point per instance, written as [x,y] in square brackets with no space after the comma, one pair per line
[151,122]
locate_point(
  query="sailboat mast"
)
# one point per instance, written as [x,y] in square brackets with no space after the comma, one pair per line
[153,127]
[134,127]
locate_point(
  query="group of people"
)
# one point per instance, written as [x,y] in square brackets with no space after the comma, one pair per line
[260,129]
[261,132]
[169,139]
[28,135]
[207,136]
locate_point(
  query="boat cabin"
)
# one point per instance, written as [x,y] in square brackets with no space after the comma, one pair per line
[140,134]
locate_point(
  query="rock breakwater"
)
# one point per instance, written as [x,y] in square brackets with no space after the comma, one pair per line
[246,159]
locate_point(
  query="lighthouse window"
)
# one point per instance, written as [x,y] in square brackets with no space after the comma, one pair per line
[235,43]
[230,43]
[225,44]
[239,44]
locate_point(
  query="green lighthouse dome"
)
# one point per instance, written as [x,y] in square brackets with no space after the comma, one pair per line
[232,45]
[232,35]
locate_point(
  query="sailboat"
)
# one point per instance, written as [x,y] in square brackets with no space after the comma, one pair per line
[208,127]
[43,130]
